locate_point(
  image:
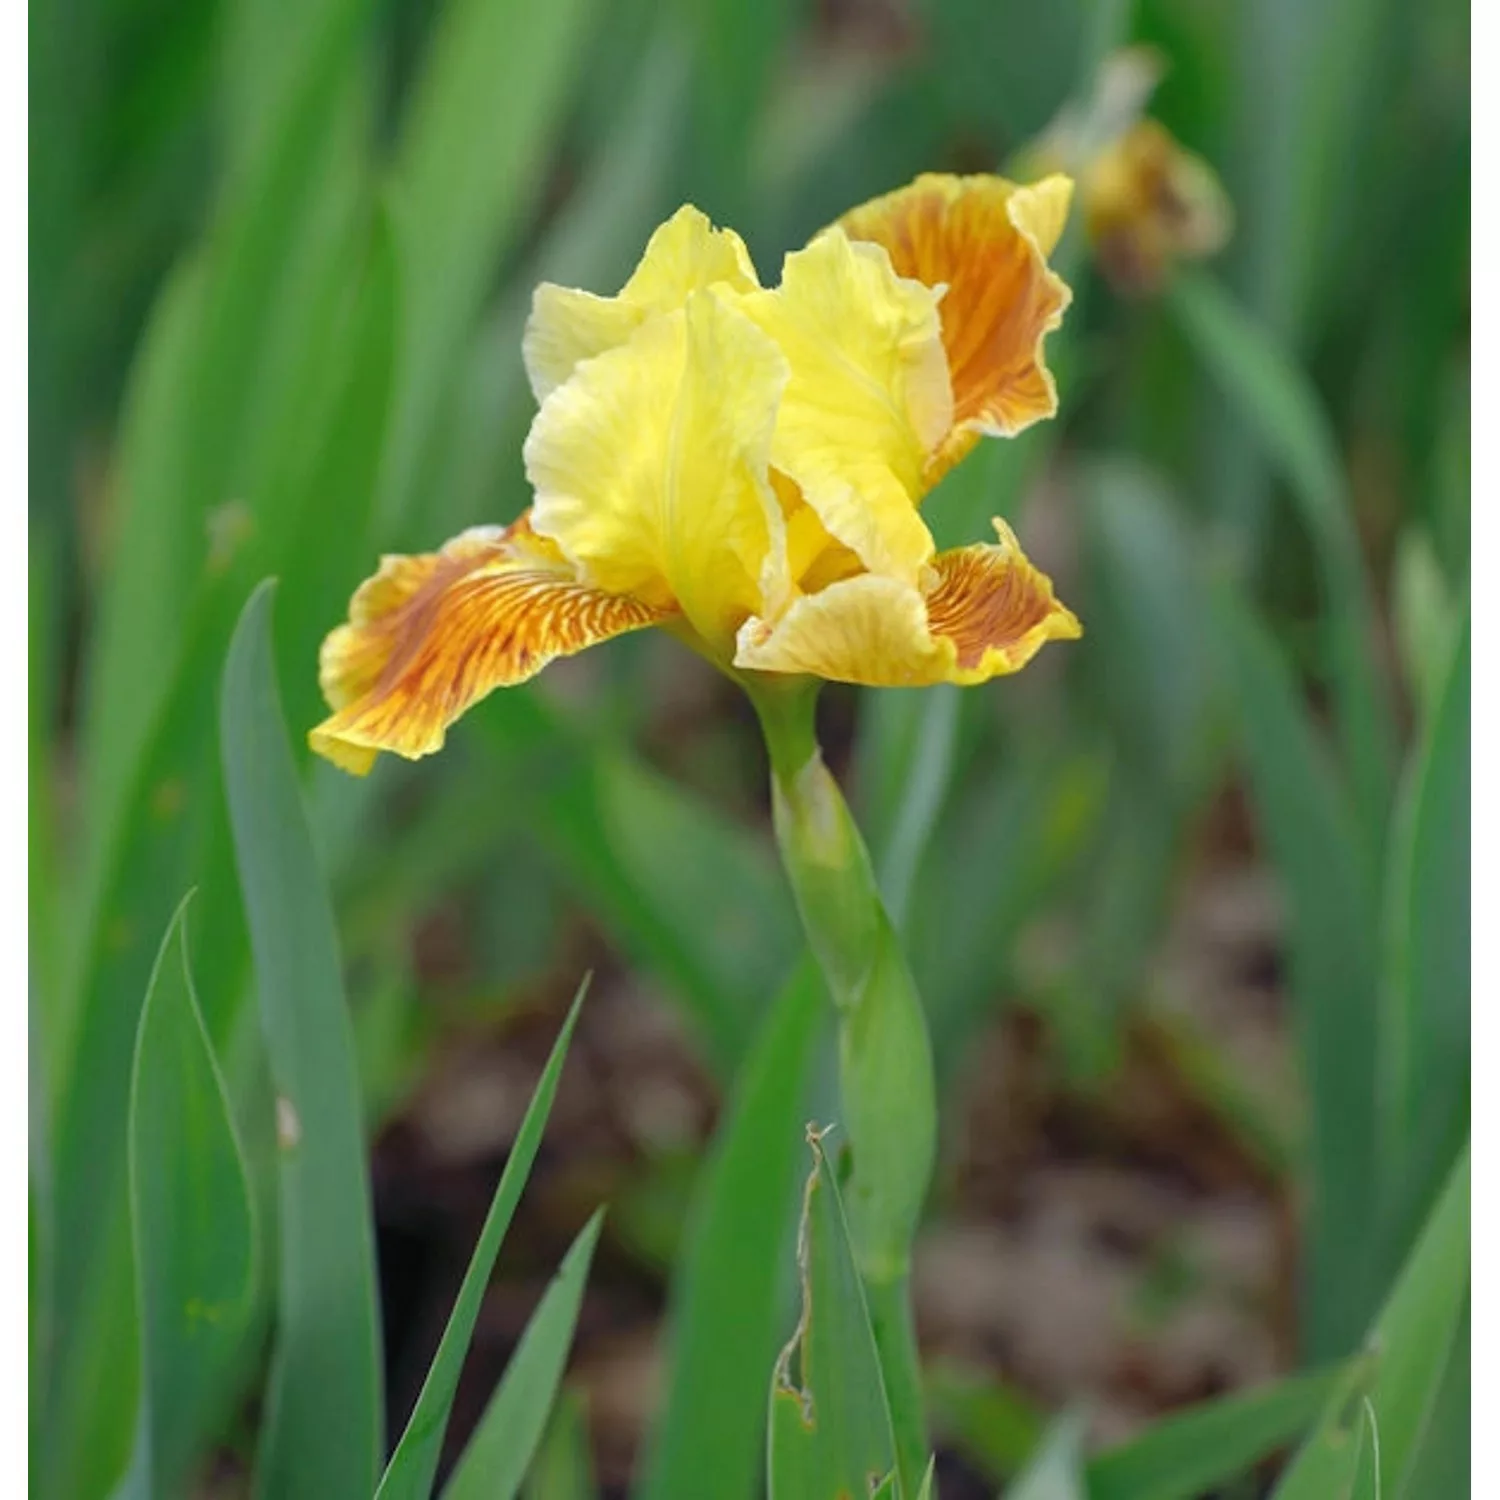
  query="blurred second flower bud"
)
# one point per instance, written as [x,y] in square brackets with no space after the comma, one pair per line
[1147,201]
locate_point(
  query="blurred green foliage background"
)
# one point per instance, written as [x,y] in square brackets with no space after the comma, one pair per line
[281,254]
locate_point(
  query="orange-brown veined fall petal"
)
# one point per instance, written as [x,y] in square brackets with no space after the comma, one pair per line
[430,635]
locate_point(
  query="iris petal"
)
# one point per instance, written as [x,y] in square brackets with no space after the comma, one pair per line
[986,611]
[685,255]
[868,399]
[987,241]
[651,467]
[429,636]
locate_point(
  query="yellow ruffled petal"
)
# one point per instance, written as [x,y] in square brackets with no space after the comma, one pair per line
[868,629]
[685,254]
[986,611]
[987,241]
[651,467]
[868,398]
[429,636]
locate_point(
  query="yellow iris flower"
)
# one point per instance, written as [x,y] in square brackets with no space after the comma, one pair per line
[743,466]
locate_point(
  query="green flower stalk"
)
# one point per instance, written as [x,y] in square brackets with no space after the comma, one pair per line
[889,1107]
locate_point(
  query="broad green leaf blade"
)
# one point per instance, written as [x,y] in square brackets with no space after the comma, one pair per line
[929,1481]
[409,1474]
[225,352]
[322,495]
[726,1293]
[171,828]
[564,1467]
[1332,925]
[208,387]
[1426,1034]
[1367,1466]
[500,1452]
[1278,402]
[1193,1452]
[471,156]
[830,1425]
[1402,1374]
[1442,1463]
[593,241]
[1056,1469]
[1147,661]
[192,1222]
[322,1432]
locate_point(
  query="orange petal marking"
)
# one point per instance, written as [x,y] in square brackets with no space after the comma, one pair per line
[429,636]
[994,608]
[984,611]
[987,240]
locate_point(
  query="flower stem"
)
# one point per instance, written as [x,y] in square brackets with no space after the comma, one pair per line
[885,1058]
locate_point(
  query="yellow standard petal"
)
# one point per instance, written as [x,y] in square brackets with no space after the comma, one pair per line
[650,468]
[429,636]
[987,241]
[685,254]
[984,611]
[868,399]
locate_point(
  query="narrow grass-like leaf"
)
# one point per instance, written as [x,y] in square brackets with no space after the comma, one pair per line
[410,1472]
[1426,1067]
[1193,1452]
[1278,402]
[907,740]
[500,1452]
[1055,1471]
[192,1223]
[44,862]
[1332,925]
[471,156]
[830,1424]
[564,1467]
[970,906]
[1403,1370]
[726,1292]
[922,760]
[322,1432]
